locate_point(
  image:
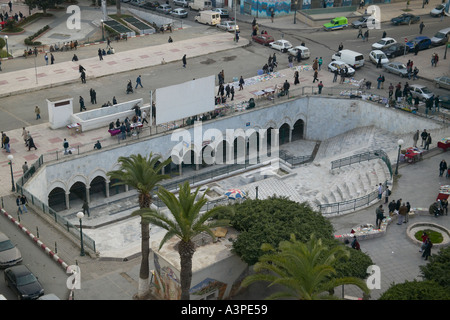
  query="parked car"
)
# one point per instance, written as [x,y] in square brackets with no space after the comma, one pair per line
[441,37]
[383,43]
[179,13]
[397,68]
[436,12]
[223,12]
[405,18]
[152,5]
[305,54]
[444,101]
[336,23]
[281,45]
[9,254]
[442,82]
[49,296]
[229,26]
[164,8]
[138,3]
[422,92]
[333,65]
[23,282]
[422,41]
[263,39]
[395,50]
[181,3]
[375,55]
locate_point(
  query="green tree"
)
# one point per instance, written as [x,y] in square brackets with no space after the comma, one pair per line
[186,222]
[42,4]
[143,174]
[438,268]
[304,269]
[416,290]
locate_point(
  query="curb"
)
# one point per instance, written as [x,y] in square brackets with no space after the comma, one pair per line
[38,242]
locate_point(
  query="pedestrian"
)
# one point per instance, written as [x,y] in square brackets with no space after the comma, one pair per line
[336,73]
[315,77]
[387,193]
[402,213]
[424,136]
[416,138]
[436,59]
[415,72]
[320,63]
[82,106]
[184,61]
[424,238]
[6,144]
[232,93]
[408,207]
[138,82]
[25,167]
[241,83]
[427,250]
[66,146]
[355,243]
[97,145]
[299,56]
[296,78]
[85,208]
[100,54]
[366,36]
[379,79]
[114,100]
[391,90]
[320,86]
[94,96]
[290,61]
[52,58]
[272,15]
[379,63]
[24,202]
[444,203]
[421,26]
[380,191]
[10,6]
[384,34]
[360,33]
[46,59]
[383,79]
[432,59]
[31,143]
[391,207]
[18,203]
[0,65]
[342,76]
[341,46]
[286,86]
[416,49]
[83,77]
[379,212]
[428,142]
[436,103]
[24,135]
[442,167]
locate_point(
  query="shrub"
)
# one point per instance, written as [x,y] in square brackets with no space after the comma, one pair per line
[29,41]
[416,290]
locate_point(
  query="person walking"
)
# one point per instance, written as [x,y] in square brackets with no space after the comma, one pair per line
[366,36]
[379,212]
[416,138]
[232,93]
[100,54]
[421,26]
[25,167]
[241,84]
[387,193]
[442,167]
[380,191]
[83,77]
[424,238]
[391,207]
[6,144]
[427,250]
[82,106]
[85,208]
[138,82]
[46,59]
[424,136]
[402,213]
[336,73]
[428,142]
[315,77]
[408,207]
[52,58]
[66,146]
[360,33]
[23,203]
[290,61]
[320,86]
[320,63]
[184,61]
[19,207]
[31,143]
[296,78]
[286,86]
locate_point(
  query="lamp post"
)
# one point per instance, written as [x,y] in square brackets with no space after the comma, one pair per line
[235,21]
[80,215]
[295,12]
[10,158]
[400,142]
[7,51]
[103,33]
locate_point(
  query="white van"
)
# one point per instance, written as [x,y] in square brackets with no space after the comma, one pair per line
[200,5]
[352,58]
[210,18]
[441,37]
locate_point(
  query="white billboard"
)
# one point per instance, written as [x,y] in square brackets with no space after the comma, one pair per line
[184,100]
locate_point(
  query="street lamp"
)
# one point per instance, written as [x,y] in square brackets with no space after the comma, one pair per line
[400,142]
[10,158]
[295,12]
[103,34]
[7,51]
[80,215]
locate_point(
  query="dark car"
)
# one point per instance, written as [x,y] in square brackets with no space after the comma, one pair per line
[152,5]
[444,101]
[264,39]
[23,282]
[405,18]
[395,50]
[423,42]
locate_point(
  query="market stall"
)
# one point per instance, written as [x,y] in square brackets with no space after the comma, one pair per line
[444,192]
[444,144]
[413,155]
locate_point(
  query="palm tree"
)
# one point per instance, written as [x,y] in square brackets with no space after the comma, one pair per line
[143,174]
[305,269]
[186,222]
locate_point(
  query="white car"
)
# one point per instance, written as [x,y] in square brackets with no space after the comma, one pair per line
[333,65]
[383,43]
[223,12]
[181,3]
[179,13]
[375,55]
[230,26]
[422,92]
[304,51]
[281,45]
[436,12]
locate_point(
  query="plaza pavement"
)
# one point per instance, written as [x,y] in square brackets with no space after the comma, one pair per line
[397,257]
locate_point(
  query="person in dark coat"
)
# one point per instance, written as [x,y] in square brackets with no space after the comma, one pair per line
[427,250]
[442,167]
[31,144]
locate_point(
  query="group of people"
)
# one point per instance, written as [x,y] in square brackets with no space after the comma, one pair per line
[28,139]
[66,46]
[271,64]
[425,138]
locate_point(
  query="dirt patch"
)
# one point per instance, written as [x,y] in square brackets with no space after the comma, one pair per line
[208,61]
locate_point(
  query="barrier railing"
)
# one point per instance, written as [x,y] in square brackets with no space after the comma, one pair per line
[365,156]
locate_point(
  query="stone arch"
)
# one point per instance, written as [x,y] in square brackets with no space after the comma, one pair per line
[56,198]
[284,133]
[96,173]
[98,188]
[298,130]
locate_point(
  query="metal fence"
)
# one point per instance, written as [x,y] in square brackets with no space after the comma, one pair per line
[366,156]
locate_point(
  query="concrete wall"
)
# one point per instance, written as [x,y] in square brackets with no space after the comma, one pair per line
[323,118]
